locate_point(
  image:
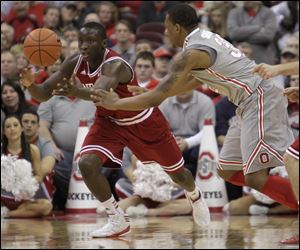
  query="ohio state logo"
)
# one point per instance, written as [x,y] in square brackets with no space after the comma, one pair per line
[76,171]
[206,165]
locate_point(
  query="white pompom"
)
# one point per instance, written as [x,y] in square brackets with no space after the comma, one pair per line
[17,177]
[152,182]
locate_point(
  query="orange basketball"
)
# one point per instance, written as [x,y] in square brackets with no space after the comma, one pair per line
[42,47]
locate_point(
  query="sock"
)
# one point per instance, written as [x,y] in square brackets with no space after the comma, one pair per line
[195,194]
[280,190]
[237,179]
[112,207]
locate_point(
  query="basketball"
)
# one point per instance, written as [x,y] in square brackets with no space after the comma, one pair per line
[42,47]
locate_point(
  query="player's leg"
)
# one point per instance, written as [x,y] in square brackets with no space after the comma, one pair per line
[265,135]
[291,162]
[98,151]
[230,164]
[38,208]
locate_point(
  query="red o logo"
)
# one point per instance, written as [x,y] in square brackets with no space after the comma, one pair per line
[264,158]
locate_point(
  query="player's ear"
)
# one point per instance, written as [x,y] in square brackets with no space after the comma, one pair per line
[104,43]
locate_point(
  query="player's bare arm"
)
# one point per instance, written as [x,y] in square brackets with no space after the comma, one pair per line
[113,73]
[267,71]
[179,80]
[43,92]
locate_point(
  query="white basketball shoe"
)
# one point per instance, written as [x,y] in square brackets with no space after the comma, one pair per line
[201,213]
[118,225]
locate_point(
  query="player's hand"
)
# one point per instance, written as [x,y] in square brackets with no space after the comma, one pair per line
[266,71]
[181,142]
[27,77]
[136,90]
[67,87]
[106,99]
[292,94]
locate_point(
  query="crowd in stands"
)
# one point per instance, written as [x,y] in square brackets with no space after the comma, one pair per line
[265,31]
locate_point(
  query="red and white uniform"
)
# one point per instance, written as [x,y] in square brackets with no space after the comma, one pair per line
[293,150]
[145,132]
[45,191]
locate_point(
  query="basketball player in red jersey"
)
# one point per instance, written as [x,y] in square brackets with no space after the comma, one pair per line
[145,132]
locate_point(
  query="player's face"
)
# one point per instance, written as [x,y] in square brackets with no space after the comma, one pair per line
[90,44]
[172,32]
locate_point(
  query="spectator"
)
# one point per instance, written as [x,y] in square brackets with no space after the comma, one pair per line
[8,66]
[74,48]
[162,62]
[245,48]
[288,55]
[30,123]
[21,21]
[65,50]
[287,16]
[68,15]
[59,120]
[13,99]
[293,42]
[186,114]
[153,11]
[217,20]
[7,36]
[52,18]
[70,33]
[84,8]
[124,47]
[142,45]
[255,24]
[144,69]
[108,15]
[14,143]
[91,17]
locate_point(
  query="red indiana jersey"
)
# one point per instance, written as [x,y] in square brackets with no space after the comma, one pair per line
[88,79]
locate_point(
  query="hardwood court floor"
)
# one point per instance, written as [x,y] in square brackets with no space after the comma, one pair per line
[72,231]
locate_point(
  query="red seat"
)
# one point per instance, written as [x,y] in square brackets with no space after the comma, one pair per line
[151,27]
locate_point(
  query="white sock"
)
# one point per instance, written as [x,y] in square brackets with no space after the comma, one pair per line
[112,207]
[194,195]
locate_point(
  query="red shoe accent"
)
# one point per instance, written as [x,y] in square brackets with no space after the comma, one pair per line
[125,231]
[293,240]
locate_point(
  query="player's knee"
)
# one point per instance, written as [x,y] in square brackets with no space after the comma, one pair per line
[288,160]
[88,164]
[256,180]
[178,177]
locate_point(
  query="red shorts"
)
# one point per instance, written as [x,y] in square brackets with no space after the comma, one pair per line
[150,140]
[293,150]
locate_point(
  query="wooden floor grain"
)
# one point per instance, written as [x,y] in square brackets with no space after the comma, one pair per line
[72,231]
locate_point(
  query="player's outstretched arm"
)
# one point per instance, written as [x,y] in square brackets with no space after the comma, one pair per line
[267,71]
[179,80]
[43,92]
[113,73]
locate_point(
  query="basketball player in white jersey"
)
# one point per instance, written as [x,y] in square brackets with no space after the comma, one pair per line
[262,134]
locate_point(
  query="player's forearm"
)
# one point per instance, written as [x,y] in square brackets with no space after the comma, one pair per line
[291,68]
[39,93]
[140,102]
[83,93]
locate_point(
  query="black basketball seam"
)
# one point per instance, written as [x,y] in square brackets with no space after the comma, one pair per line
[48,54]
[43,39]
[40,47]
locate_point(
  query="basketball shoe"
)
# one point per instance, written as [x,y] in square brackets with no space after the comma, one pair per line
[294,240]
[118,225]
[201,213]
